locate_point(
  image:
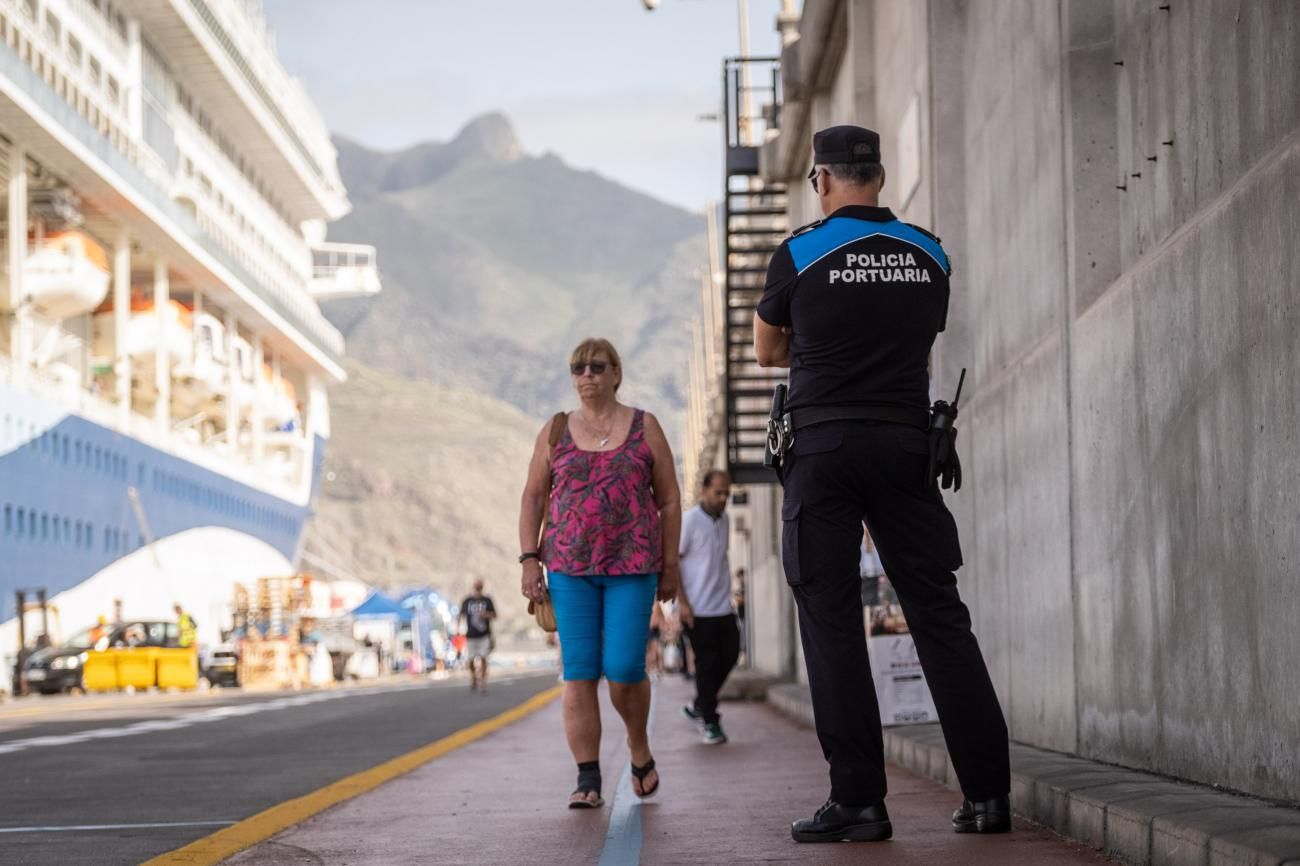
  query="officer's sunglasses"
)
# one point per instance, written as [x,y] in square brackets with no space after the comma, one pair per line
[812,178]
[596,368]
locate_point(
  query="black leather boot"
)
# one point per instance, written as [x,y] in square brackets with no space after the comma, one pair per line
[986,816]
[836,823]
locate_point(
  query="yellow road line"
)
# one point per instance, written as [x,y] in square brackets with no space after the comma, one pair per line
[226,843]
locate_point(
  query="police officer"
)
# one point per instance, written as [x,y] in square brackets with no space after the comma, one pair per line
[852,306]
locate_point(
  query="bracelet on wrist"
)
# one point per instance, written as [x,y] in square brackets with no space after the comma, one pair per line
[531,554]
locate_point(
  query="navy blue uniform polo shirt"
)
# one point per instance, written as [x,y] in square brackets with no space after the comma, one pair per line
[865,295]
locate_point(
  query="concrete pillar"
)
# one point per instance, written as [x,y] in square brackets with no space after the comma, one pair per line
[259,421]
[17,214]
[277,375]
[232,377]
[135,80]
[162,361]
[121,318]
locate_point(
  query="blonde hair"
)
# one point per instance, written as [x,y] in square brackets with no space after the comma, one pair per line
[589,348]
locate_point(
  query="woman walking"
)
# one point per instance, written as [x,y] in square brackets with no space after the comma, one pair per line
[604,479]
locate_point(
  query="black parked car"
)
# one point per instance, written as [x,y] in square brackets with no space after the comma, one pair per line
[58,669]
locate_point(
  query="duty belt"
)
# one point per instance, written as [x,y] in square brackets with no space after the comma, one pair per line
[798,419]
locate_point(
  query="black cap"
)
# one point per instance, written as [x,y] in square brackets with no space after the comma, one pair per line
[840,144]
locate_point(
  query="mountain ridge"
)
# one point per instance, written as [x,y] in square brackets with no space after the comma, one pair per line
[494,263]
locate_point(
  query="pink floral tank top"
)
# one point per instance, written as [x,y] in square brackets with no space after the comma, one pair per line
[602,517]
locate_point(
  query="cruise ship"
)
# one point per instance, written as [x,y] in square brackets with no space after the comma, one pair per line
[163,356]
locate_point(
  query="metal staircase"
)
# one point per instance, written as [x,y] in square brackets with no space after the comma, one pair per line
[755,222]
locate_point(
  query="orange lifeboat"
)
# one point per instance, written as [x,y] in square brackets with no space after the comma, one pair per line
[65,275]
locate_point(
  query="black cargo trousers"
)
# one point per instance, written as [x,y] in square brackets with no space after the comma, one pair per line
[838,476]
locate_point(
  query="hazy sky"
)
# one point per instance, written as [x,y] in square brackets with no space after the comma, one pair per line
[603,83]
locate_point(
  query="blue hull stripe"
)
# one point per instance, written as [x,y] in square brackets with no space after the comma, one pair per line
[65,514]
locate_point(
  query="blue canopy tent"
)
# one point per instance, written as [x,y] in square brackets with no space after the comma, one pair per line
[382,620]
[379,606]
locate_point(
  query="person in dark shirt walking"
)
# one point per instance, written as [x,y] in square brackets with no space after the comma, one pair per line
[478,611]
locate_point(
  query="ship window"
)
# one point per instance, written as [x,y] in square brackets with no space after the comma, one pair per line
[90,533]
[45,527]
[54,529]
[29,9]
[76,452]
[140,474]
[53,29]
[9,519]
[74,50]
[66,450]
[78,535]
[22,521]
[94,68]
[67,529]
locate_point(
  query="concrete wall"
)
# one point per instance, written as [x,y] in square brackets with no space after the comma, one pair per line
[1004,165]
[1119,186]
[1130,542]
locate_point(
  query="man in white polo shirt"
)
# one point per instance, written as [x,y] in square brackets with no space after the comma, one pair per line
[705,601]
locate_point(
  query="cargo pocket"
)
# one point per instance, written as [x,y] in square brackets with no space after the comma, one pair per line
[790,542]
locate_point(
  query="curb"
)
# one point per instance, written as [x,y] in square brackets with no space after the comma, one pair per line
[1135,817]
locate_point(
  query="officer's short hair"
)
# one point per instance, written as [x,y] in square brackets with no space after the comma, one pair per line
[857,173]
[589,348]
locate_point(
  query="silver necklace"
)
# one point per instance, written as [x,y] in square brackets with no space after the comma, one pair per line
[596,432]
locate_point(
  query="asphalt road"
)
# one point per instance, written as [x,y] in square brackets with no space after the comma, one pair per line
[79,784]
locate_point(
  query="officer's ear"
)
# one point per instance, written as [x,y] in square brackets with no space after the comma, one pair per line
[882,178]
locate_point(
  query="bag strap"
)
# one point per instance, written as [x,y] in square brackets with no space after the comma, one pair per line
[559,424]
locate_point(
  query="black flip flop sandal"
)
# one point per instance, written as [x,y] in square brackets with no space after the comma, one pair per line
[588,783]
[641,773]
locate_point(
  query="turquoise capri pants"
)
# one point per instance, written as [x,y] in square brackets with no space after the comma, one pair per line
[604,623]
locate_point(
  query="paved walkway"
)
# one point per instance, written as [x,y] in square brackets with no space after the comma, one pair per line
[501,800]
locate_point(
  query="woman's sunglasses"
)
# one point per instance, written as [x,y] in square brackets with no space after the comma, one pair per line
[596,368]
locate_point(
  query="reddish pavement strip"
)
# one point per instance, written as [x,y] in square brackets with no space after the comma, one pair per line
[501,800]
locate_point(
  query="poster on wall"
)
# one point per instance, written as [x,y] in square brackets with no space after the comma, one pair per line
[901,689]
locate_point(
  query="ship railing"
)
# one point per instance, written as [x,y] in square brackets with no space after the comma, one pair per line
[227,461]
[206,156]
[94,20]
[100,98]
[305,317]
[246,44]
[343,270]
